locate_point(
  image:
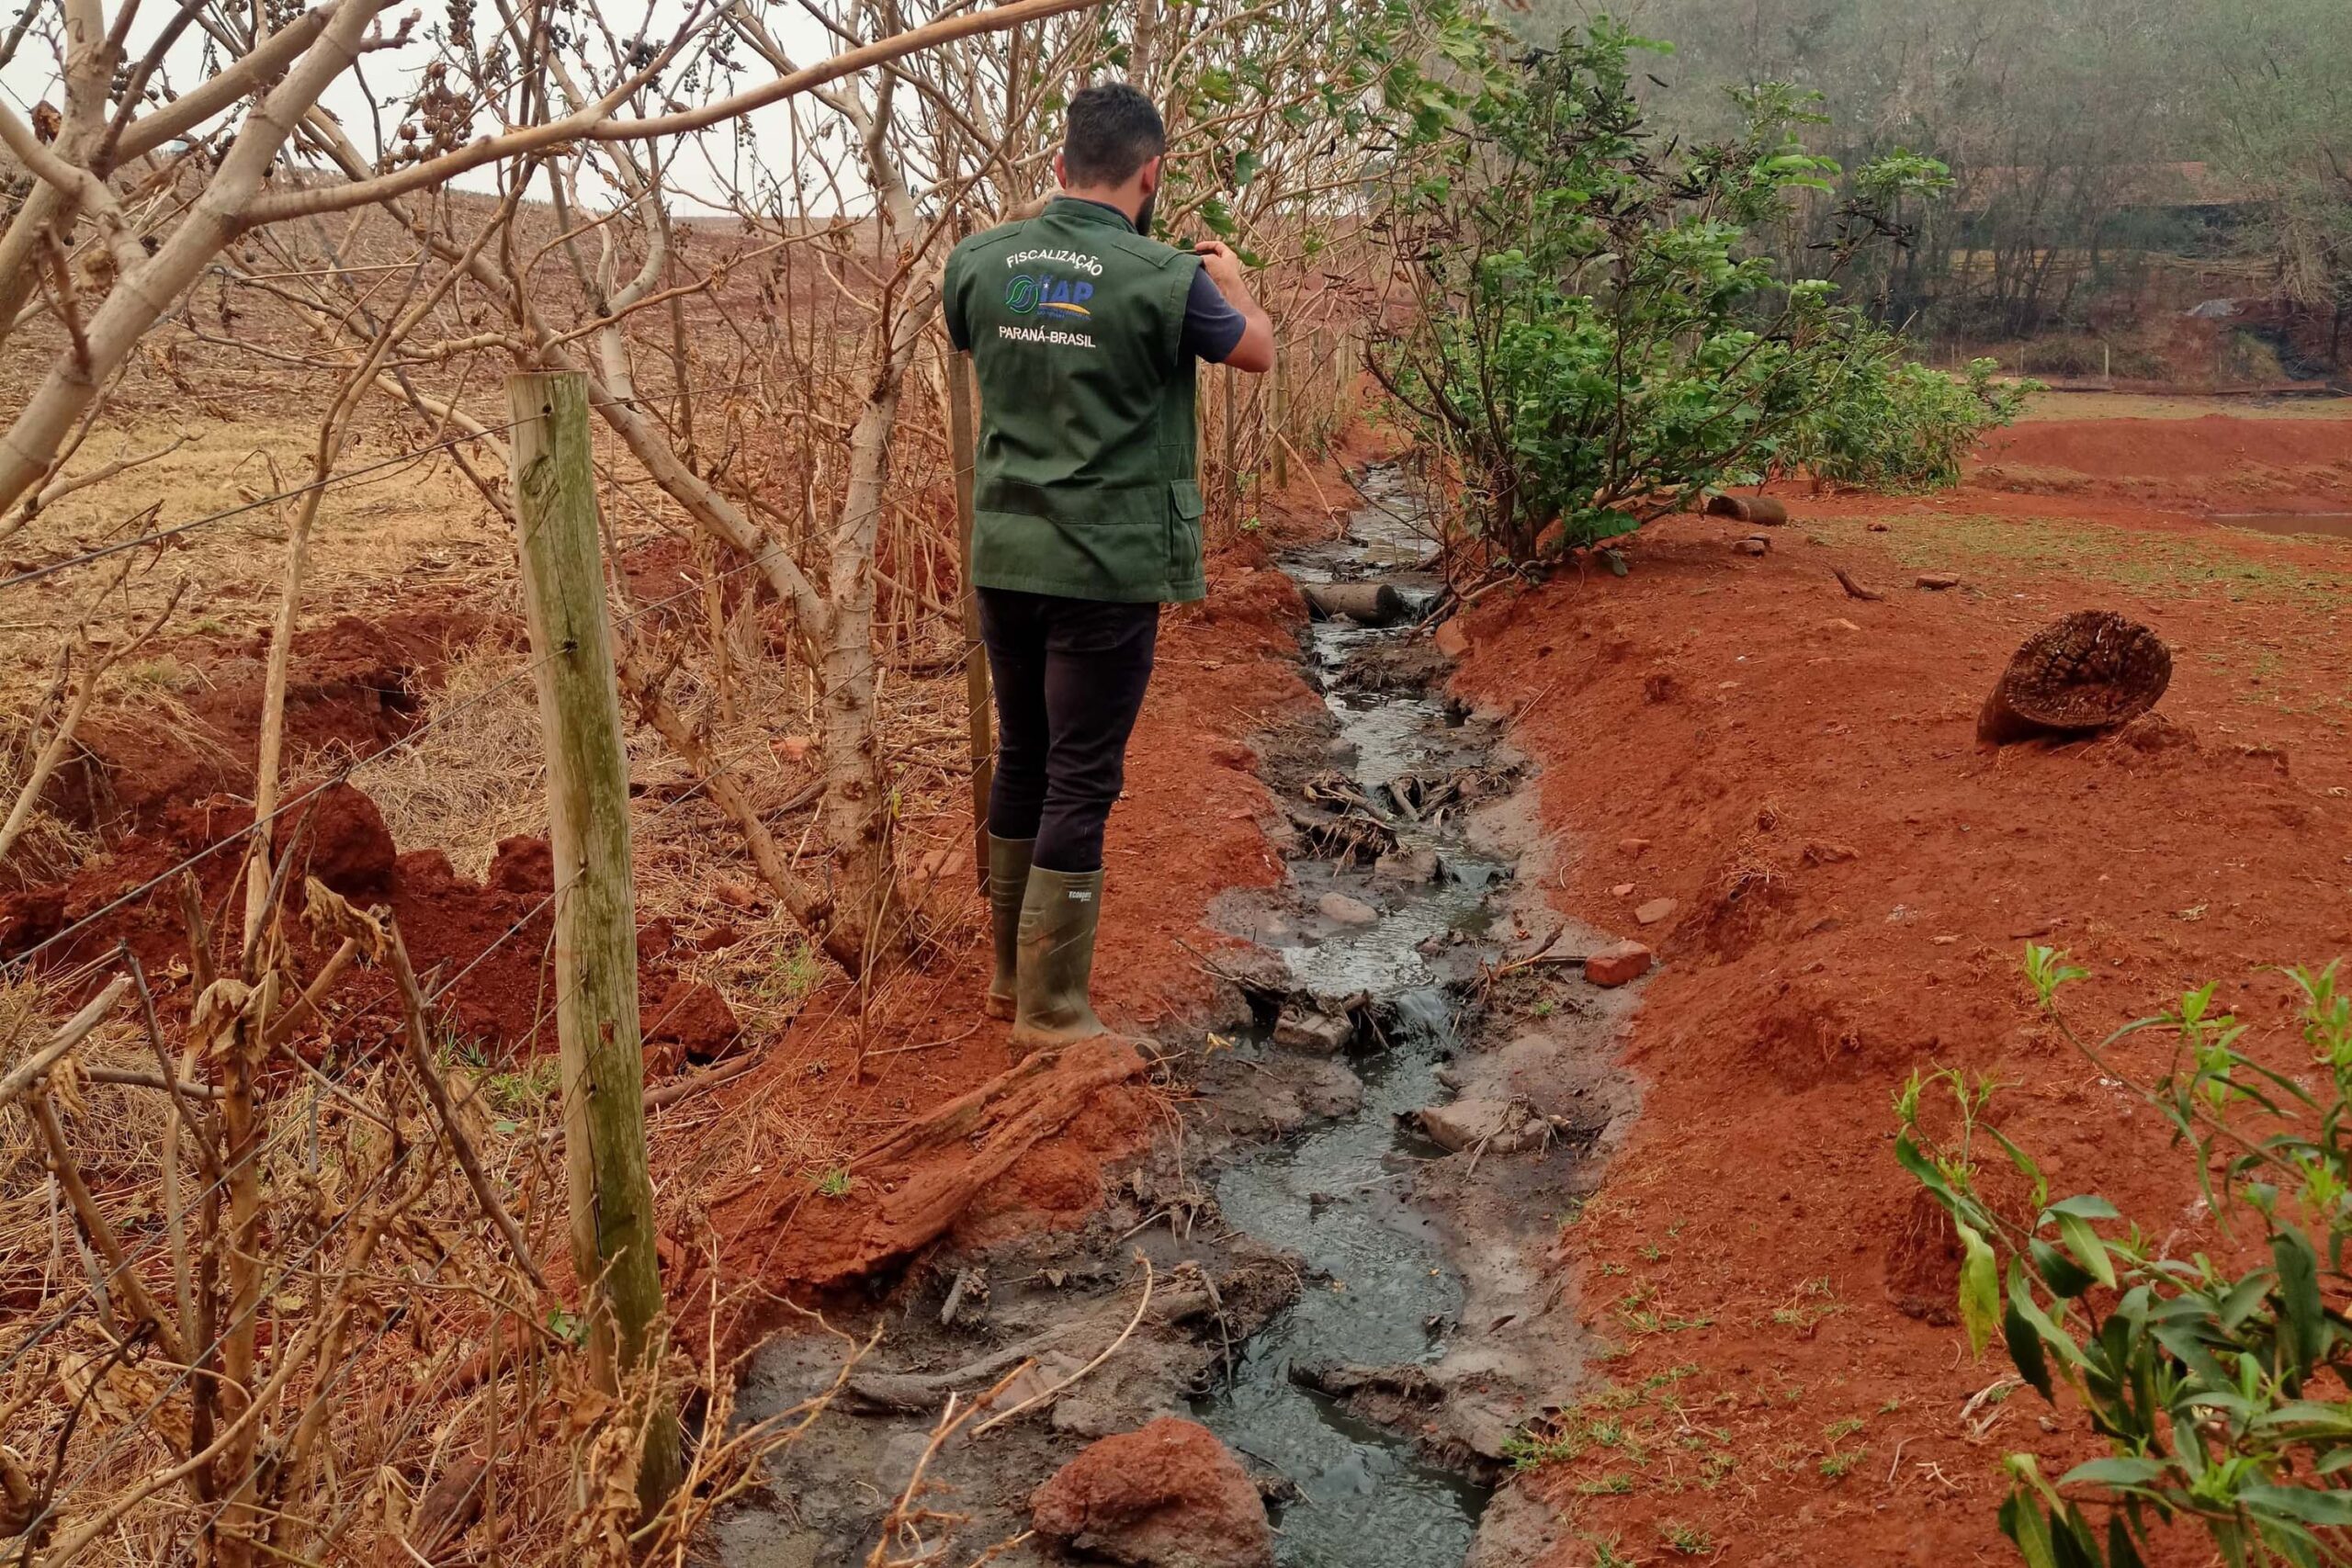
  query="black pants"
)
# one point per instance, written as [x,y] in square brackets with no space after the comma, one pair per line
[1069,677]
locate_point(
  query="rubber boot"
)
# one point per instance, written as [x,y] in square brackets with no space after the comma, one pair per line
[1008,882]
[1058,914]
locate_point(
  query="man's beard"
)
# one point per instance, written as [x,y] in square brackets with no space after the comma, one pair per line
[1143,213]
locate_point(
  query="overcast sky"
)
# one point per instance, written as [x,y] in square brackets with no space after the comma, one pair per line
[32,77]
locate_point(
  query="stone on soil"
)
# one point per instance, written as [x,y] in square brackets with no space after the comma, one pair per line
[1410,867]
[1654,911]
[1617,964]
[1301,1028]
[1939,579]
[1346,910]
[1168,1496]
[1332,1093]
[1451,641]
[1500,1125]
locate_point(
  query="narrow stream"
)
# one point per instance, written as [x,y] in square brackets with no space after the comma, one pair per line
[1379,1289]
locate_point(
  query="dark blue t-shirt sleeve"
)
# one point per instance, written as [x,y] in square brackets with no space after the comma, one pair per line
[1211,326]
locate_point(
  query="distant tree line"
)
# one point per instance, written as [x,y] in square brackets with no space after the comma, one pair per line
[2107,154]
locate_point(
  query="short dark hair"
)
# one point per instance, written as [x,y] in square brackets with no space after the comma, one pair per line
[1112,130]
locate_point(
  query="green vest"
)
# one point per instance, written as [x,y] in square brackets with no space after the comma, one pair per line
[1083,481]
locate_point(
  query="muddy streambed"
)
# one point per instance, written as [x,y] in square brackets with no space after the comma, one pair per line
[1357,1298]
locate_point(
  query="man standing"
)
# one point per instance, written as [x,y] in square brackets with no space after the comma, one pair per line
[1084,332]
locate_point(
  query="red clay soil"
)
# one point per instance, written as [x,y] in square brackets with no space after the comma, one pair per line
[1853,881]
[354,685]
[2229,463]
[159,793]
[496,1005]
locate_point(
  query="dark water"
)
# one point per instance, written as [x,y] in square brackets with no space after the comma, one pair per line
[1379,1290]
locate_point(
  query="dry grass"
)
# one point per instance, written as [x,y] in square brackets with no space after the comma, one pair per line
[122,1131]
[378,542]
[453,1362]
[477,772]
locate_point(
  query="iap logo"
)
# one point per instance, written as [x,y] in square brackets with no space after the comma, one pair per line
[1048,295]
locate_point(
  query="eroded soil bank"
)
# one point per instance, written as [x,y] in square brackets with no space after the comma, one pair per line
[1852,882]
[1358,1298]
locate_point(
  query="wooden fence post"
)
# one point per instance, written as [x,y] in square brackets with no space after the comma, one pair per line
[613,1252]
[977,715]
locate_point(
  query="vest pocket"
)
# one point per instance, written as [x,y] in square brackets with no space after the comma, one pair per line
[1184,510]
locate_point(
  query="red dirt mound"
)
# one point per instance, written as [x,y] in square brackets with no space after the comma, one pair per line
[354,685]
[339,837]
[1168,1496]
[482,951]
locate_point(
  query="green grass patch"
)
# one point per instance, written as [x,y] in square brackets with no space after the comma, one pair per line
[2215,565]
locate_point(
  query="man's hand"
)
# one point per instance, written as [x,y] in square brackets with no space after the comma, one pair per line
[1255,352]
[1224,269]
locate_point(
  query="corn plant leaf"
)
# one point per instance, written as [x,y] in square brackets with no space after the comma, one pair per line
[2122,1470]
[2065,1278]
[2021,1302]
[2022,1522]
[2330,1510]
[2121,1550]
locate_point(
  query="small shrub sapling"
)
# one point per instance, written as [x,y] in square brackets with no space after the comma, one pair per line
[1596,343]
[2219,1383]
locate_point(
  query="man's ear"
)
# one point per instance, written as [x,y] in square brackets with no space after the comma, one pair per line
[1061,178]
[1148,175]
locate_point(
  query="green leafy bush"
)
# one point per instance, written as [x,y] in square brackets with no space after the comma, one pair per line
[1885,424]
[2219,1383]
[1596,342]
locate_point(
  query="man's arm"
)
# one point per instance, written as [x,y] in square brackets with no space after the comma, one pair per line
[1255,352]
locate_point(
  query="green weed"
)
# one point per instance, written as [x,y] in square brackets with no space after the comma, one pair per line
[1837,1462]
[527,1088]
[1688,1539]
[793,975]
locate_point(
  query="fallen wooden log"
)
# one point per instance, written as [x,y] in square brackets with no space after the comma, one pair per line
[1373,604]
[1748,509]
[2092,669]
